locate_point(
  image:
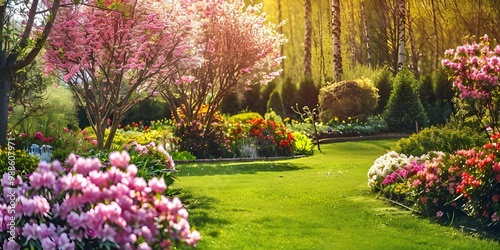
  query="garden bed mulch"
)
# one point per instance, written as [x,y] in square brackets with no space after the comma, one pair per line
[458,220]
[238,159]
[352,137]
[323,139]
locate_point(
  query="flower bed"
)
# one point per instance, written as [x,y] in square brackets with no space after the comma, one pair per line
[438,184]
[83,204]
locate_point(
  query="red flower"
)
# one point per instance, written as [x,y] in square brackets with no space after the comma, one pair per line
[38,135]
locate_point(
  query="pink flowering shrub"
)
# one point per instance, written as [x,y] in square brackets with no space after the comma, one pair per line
[432,188]
[475,69]
[91,207]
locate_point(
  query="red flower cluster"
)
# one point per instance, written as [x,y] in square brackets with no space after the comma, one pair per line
[273,138]
[39,137]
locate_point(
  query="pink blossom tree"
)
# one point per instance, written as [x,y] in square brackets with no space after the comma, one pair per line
[475,70]
[116,54]
[240,49]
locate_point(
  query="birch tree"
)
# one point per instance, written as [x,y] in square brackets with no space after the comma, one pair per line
[401,33]
[337,56]
[366,37]
[308,40]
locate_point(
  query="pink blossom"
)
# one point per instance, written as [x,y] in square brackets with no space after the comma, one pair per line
[495,198]
[187,79]
[495,217]
[113,205]
[132,170]
[119,160]
[143,246]
[84,166]
[423,199]
[193,238]
[416,182]
[439,214]
[157,185]
[35,205]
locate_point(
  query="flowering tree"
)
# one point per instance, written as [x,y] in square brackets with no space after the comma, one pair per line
[117,54]
[475,70]
[19,45]
[240,49]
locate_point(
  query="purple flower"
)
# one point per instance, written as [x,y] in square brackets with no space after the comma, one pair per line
[64,243]
[47,243]
[11,245]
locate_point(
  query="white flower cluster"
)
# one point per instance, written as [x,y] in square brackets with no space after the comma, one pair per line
[387,164]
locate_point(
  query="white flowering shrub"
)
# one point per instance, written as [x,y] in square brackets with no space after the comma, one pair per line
[386,164]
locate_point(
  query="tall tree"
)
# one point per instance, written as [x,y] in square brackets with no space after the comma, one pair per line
[282,49]
[401,33]
[413,47]
[240,49]
[116,55]
[366,37]
[436,34]
[20,46]
[308,40]
[337,56]
[322,51]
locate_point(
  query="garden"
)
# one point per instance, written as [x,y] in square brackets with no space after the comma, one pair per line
[190,124]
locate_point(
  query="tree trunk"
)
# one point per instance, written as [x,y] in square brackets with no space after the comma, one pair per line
[308,40]
[365,34]
[401,34]
[435,65]
[100,132]
[351,24]
[337,56]
[413,47]
[5,81]
[282,49]
[479,19]
[322,69]
[111,136]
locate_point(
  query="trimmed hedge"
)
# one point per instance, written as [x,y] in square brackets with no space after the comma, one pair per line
[437,138]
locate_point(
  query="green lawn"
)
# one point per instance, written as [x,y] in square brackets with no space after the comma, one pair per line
[318,202]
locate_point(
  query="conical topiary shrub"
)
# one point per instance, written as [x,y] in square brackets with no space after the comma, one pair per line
[404,107]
